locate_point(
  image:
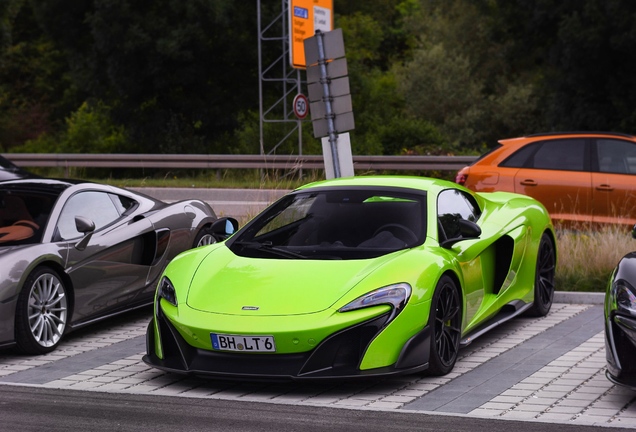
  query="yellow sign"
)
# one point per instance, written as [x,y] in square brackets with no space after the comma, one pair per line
[305,17]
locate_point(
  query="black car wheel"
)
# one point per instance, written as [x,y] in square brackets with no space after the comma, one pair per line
[42,312]
[445,321]
[203,238]
[544,278]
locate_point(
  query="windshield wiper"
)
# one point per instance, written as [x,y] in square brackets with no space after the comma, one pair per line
[267,246]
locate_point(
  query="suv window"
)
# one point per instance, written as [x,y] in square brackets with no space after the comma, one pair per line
[616,156]
[520,157]
[568,155]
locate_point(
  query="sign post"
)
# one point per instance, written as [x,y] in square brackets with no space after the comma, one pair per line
[329,98]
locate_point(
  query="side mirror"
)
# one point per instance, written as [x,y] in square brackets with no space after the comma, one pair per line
[224,227]
[634,232]
[467,230]
[86,227]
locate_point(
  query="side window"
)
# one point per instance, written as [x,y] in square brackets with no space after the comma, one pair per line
[568,155]
[96,206]
[520,158]
[616,156]
[453,205]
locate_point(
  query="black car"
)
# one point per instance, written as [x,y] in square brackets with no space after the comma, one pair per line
[620,322]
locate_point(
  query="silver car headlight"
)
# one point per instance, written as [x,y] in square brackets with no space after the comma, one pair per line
[623,298]
[394,295]
[166,291]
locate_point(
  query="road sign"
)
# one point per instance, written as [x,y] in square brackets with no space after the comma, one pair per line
[333,47]
[329,94]
[335,69]
[305,17]
[340,123]
[301,106]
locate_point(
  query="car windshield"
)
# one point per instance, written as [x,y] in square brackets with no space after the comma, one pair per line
[336,224]
[23,215]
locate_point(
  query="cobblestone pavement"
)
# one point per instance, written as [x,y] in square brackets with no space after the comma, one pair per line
[549,369]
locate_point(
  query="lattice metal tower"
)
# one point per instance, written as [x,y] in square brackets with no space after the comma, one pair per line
[278,80]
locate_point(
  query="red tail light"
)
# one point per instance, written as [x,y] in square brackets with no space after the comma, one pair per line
[461,178]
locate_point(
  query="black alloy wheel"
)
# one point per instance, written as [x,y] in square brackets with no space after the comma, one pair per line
[544,278]
[445,321]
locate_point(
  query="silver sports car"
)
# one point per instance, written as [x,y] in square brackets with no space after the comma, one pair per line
[73,252]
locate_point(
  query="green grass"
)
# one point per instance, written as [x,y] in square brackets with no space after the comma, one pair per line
[227,179]
[586,258]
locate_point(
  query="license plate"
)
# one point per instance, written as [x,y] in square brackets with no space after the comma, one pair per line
[225,342]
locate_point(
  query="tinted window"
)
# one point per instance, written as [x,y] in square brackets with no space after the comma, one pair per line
[616,156]
[521,156]
[97,206]
[453,205]
[336,224]
[567,155]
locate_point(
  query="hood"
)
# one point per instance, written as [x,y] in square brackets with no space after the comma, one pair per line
[225,283]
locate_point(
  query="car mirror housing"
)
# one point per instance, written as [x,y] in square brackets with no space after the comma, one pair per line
[468,230]
[86,227]
[224,227]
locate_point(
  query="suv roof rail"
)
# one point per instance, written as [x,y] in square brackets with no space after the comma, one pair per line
[581,133]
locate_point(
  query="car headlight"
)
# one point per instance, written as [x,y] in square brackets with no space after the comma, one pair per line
[394,295]
[623,298]
[166,290]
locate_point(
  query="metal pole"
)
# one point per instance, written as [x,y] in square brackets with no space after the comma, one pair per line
[260,81]
[300,125]
[333,136]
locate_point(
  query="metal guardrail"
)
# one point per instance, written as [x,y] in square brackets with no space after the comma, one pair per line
[222,161]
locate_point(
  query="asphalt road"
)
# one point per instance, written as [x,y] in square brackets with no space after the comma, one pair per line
[28,409]
[242,204]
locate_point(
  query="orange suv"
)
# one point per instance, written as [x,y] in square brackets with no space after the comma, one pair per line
[580,177]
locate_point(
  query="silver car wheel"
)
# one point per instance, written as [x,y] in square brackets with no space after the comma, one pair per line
[206,239]
[47,310]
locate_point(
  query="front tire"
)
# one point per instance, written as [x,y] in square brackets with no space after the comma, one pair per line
[445,321]
[544,278]
[42,312]
[203,238]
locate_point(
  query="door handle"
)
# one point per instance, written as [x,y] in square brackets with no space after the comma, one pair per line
[604,188]
[528,182]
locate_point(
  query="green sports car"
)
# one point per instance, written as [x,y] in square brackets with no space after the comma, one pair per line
[354,277]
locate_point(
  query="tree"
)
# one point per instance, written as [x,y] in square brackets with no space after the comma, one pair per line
[456,79]
[176,74]
[582,55]
[33,83]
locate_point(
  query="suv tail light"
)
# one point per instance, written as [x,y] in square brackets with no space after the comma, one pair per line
[461,178]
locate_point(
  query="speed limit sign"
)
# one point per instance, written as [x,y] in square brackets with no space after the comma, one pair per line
[301,106]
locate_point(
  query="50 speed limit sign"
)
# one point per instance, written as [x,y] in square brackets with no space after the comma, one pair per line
[301,106]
